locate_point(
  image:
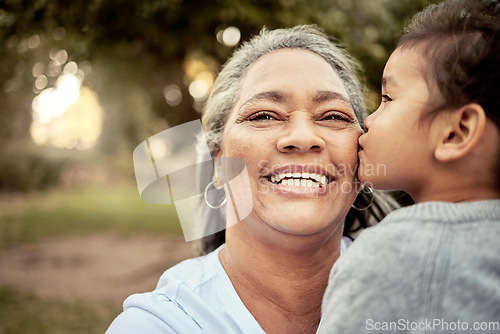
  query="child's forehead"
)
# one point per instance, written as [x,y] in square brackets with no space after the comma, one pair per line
[411,65]
[408,61]
[408,74]
[421,56]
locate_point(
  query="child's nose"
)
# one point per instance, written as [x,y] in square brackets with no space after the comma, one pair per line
[368,121]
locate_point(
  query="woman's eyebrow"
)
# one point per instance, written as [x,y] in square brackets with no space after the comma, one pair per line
[282,97]
[274,96]
[328,95]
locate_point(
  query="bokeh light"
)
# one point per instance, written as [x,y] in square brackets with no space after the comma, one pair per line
[201,85]
[199,78]
[229,36]
[70,68]
[53,69]
[41,82]
[34,41]
[78,127]
[38,69]
[198,89]
[53,102]
[66,115]
[173,95]
[61,57]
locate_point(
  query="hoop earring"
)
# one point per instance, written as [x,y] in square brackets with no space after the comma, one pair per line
[206,200]
[370,193]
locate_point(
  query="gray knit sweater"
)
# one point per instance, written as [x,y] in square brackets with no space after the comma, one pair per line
[428,268]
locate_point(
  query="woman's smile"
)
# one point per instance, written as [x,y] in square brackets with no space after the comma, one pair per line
[299,180]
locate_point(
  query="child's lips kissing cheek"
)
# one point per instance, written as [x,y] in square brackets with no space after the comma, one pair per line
[361,141]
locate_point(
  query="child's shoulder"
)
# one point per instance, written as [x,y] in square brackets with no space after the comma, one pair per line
[436,212]
[408,232]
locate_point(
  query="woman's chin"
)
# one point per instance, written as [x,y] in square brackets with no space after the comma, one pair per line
[300,225]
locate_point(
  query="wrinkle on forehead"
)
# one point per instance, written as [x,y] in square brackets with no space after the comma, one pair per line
[281,57]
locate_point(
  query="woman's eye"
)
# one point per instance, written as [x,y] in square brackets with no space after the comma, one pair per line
[386,98]
[337,116]
[262,116]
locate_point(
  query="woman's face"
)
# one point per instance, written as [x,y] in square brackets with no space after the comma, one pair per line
[296,131]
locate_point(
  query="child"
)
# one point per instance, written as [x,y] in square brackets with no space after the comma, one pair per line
[434,266]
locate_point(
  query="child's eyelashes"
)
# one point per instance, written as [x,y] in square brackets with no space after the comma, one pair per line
[386,98]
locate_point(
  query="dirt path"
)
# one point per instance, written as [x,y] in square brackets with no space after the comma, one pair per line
[95,267]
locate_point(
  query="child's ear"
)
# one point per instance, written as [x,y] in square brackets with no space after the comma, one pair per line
[461,133]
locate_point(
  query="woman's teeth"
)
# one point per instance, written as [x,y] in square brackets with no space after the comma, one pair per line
[300,179]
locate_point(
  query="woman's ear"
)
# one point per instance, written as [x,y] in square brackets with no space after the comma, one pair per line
[217,154]
[217,164]
[460,133]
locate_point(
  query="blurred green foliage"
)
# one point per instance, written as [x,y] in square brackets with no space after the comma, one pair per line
[29,168]
[77,211]
[135,48]
[24,313]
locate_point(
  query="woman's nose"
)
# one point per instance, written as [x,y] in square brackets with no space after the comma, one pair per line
[300,137]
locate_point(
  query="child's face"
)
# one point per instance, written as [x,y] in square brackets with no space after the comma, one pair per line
[395,150]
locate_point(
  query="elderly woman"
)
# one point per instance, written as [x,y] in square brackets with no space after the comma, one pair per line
[289,106]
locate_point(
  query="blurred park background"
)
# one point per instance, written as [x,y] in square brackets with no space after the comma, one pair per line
[82,83]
